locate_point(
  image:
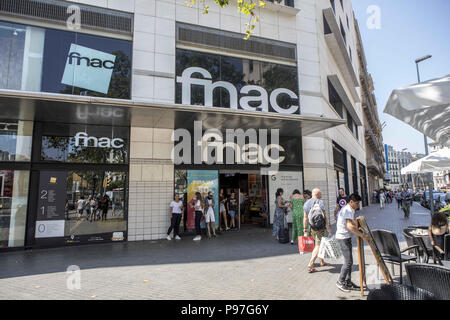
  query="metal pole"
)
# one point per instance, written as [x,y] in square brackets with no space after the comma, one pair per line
[429,175]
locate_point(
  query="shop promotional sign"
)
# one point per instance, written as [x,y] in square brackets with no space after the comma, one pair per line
[88,68]
[51,205]
[202,181]
[252,93]
[288,181]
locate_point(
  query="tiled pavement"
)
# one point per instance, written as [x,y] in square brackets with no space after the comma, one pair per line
[237,265]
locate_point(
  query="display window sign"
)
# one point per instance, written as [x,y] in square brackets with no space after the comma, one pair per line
[88,68]
[288,181]
[85,144]
[239,84]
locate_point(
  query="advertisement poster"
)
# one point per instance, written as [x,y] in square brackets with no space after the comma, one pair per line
[202,181]
[51,204]
[288,181]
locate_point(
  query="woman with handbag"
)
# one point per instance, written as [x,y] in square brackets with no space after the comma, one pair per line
[279,216]
[296,205]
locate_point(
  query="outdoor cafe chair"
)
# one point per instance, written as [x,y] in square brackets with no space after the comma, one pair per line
[410,242]
[396,291]
[387,243]
[430,277]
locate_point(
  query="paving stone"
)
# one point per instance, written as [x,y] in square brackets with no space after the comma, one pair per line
[248,264]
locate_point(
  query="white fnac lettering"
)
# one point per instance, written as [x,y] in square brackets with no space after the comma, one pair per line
[90,62]
[247,92]
[82,138]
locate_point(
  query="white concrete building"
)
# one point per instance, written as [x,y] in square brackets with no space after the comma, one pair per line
[301,58]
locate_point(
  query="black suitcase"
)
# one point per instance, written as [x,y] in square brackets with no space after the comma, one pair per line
[283,235]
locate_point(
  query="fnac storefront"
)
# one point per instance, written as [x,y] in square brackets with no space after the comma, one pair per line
[63,172]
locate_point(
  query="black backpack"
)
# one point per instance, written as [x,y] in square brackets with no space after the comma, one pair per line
[316,218]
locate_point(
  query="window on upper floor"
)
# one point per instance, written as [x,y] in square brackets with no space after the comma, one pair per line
[342,4]
[335,100]
[348,23]
[343,32]
[333,5]
[350,53]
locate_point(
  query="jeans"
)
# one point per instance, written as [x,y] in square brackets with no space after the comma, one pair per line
[198,217]
[175,224]
[346,270]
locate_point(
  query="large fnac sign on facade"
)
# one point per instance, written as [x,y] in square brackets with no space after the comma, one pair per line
[217,81]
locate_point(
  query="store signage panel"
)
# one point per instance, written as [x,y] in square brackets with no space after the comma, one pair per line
[51,204]
[288,181]
[88,68]
[211,80]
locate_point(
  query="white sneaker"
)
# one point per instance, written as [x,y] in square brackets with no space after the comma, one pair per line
[197,238]
[177,237]
[168,237]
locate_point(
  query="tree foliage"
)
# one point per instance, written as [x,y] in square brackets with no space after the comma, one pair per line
[246,7]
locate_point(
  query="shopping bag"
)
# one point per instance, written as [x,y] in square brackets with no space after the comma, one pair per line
[305,244]
[330,248]
[323,254]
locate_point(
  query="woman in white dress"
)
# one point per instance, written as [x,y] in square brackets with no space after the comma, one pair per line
[210,218]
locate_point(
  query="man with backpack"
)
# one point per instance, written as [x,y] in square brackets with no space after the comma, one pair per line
[315,215]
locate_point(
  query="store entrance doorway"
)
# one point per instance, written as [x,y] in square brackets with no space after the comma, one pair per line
[250,191]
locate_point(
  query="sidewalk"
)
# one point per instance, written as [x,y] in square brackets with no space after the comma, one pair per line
[247,264]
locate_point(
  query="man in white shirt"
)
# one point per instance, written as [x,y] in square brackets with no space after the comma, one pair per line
[345,228]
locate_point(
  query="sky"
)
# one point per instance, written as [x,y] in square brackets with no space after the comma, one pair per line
[409,29]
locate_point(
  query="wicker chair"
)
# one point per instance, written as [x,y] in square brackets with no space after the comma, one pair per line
[432,278]
[387,243]
[397,291]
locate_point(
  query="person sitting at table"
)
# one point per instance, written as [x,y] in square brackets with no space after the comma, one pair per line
[437,231]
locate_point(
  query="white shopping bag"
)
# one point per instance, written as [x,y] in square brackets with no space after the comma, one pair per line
[330,248]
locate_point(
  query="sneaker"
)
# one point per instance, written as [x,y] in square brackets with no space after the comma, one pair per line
[350,285]
[177,237]
[292,241]
[342,287]
[197,238]
[169,237]
[227,229]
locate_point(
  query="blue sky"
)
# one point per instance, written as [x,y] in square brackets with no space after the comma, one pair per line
[409,29]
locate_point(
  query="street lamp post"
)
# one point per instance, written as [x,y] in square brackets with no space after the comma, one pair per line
[429,175]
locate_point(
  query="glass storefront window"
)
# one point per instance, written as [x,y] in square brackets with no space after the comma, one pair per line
[48,60]
[13,207]
[81,206]
[21,55]
[15,140]
[85,144]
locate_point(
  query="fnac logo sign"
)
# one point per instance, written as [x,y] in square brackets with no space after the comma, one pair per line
[88,68]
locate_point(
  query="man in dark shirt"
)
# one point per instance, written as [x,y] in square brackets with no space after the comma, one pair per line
[341,202]
[406,198]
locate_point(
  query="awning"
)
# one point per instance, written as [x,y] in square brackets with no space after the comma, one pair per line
[434,162]
[48,107]
[425,107]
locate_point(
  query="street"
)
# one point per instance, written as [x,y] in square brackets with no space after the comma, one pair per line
[246,264]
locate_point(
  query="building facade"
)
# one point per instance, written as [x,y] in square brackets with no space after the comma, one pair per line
[395,161]
[371,123]
[110,107]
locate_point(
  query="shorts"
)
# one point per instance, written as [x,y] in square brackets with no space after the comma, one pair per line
[317,235]
[222,207]
[209,217]
[232,214]
[80,211]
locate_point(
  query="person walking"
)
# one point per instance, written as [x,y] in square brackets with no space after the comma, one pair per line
[406,202]
[176,213]
[197,204]
[222,209]
[81,203]
[210,218]
[382,199]
[315,215]
[105,207]
[345,227]
[232,209]
[341,202]
[399,199]
[296,205]
[279,216]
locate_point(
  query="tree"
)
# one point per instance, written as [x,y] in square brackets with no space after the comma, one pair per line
[247,7]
